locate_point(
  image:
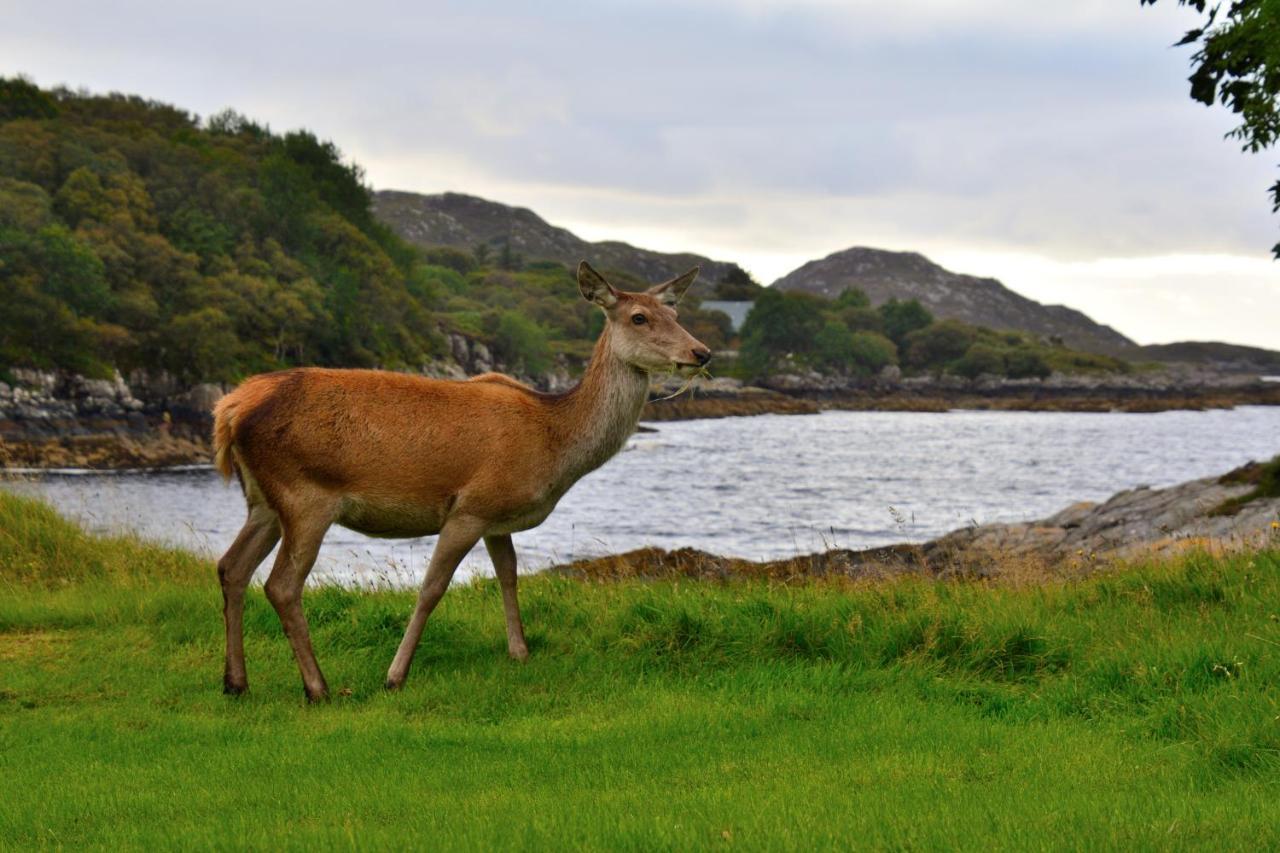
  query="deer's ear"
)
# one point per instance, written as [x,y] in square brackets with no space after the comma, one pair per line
[594,288]
[671,292]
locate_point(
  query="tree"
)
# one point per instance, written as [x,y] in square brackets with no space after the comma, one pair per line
[902,318]
[938,344]
[833,347]
[521,344]
[737,285]
[873,351]
[508,259]
[1237,64]
[20,98]
[1026,363]
[852,297]
[862,319]
[780,324]
[980,358]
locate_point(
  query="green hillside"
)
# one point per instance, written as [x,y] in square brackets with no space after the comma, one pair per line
[135,235]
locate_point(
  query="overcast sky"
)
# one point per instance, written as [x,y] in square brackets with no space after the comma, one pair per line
[1050,145]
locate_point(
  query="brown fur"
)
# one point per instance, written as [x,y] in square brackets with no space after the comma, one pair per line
[394,455]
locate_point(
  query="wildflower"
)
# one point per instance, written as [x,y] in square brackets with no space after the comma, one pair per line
[1275,525]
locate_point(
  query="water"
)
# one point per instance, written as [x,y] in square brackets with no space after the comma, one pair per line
[762,487]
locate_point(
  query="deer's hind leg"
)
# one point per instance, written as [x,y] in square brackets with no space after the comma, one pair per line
[259,535]
[302,532]
[503,555]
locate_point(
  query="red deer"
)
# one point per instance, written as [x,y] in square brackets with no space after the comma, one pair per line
[393,455]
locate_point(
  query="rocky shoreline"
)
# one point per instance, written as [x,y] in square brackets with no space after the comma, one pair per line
[890,392]
[1215,513]
[60,420]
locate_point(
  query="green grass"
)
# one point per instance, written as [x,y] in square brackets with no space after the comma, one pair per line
[1263,476]
[1136,709]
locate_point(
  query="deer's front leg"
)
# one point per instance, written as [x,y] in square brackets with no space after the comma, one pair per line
[503,554]
[456,539]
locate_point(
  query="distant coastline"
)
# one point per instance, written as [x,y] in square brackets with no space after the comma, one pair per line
[63,421]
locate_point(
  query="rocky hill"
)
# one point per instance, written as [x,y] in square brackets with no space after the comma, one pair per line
[883,275]
[463,221]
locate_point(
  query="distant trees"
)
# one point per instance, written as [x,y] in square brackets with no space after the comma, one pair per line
[20,98]
[938,343]
[900,319]
[737,285]
[521,343]
[1237,64]
[780,323]
[790,330]
[131,235]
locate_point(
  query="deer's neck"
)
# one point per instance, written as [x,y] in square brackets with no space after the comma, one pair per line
[601,413]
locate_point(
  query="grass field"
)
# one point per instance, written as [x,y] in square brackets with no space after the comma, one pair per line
[1137,709]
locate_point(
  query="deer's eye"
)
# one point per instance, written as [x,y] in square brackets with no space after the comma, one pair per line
[639,319]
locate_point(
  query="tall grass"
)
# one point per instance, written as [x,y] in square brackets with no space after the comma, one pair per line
[1138,706]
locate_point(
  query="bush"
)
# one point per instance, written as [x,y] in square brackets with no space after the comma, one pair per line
[852,297]
[833,347]
[900,319]
[862,319]
[979,359]
[1026,363]
[521,344]
[780,323]
[873,351]
[938,344]
[737,285]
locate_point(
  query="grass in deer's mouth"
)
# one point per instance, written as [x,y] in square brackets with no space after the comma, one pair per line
[694,374]
[1136,709]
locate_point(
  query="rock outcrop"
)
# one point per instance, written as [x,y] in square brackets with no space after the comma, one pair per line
[1083,537]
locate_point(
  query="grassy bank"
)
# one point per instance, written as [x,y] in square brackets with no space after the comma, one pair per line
[1137,708]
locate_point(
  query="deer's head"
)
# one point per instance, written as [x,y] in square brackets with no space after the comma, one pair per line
[642,326]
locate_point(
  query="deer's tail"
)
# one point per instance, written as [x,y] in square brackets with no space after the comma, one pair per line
[224,429]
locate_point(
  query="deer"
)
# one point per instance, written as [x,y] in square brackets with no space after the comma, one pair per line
[397,455]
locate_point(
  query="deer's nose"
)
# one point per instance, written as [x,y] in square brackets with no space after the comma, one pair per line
[702,354]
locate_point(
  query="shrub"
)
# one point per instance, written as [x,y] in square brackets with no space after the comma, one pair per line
[1026,363]
[780,324]
[979,359]
[862,319]
[833,347]
[900,319]
[938,344]
[873,351]
[521,344]
[852,297]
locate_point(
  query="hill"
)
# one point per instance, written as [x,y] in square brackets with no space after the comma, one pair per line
[465,222]
[884,275]
[133,235]
[1232,358]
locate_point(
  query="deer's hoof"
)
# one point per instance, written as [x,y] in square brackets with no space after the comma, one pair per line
[316,697]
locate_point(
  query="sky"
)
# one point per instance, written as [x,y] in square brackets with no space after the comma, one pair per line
[1052,146]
